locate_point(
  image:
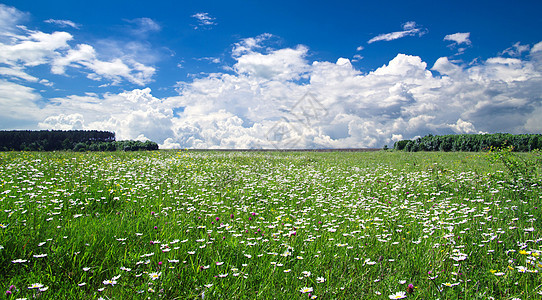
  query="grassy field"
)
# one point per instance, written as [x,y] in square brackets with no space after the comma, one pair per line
[235,225]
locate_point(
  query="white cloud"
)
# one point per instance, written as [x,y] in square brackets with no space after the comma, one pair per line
[516,50]
[282,64]
[17,73]
[409,29]
[9,18]
[250,44]
[34,49]
[204,20]
[115,70]
[536,48]
[402,99]
[39,48]
[25,49]
[142,27]
[131,115]
[18,107]
[278,98]
[459,38]
[63,122]
[63,23]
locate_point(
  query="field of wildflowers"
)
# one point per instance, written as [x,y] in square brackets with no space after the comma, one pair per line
[253,225]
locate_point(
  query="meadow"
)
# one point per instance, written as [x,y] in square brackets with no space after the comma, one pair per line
[268,225]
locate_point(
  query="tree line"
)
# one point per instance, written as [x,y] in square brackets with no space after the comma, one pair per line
[74,140]
[471,142]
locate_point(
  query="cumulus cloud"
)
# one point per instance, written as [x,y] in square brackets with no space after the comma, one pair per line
[35,48]
[279,98]
[402,99]
[282,64]
[115,70]
[459,38]
[24,49]
[18,106]
[132,115]
[409,29]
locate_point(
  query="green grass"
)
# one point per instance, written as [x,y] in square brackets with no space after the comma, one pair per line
[262,225]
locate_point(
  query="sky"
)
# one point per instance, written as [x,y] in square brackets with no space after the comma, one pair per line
[271,74]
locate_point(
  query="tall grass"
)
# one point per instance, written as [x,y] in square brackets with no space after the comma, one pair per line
[190,225]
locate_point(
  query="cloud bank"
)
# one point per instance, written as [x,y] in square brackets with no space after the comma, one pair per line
[279,98]
[267,97]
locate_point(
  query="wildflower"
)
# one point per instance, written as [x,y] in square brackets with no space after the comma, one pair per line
[109,281]
[410,288]
[398,295]
[450,284]
[155,275]
[320,279]
[306,290]
[19,261]
[36,286]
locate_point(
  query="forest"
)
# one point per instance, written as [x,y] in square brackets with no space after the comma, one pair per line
[471,142]
[73,140]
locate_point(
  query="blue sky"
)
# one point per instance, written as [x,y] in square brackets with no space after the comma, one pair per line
[284,74]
